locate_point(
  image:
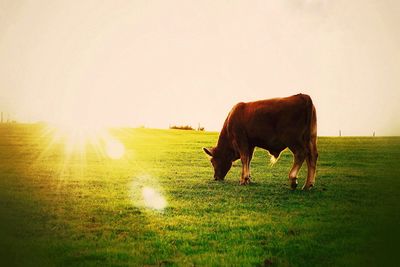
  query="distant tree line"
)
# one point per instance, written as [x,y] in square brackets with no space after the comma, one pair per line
[340,133]
[186,127]
[6,118]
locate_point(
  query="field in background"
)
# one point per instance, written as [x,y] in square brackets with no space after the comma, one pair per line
[88,210]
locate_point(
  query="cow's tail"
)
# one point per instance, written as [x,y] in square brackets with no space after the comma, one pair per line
[311,121]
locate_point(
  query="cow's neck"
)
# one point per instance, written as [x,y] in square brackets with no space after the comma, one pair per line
[224,146]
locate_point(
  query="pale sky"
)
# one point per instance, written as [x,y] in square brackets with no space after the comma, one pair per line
[157,63]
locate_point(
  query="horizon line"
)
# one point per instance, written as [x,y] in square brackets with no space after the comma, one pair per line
[42,123]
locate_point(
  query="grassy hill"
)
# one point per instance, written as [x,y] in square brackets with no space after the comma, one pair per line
[86,209]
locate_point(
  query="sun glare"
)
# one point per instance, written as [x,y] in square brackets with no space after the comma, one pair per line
[77,136]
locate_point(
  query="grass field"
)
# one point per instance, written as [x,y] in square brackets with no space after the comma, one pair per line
[85,209]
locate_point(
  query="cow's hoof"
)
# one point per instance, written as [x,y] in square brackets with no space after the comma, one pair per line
[246,181]
[307,187]
[293,184]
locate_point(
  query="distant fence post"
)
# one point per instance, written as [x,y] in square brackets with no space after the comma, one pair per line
[199,127]
[373,134]
[340,133]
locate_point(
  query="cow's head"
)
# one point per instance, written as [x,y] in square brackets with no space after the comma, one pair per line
[221,163]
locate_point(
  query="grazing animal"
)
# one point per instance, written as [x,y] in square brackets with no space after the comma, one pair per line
[272,124]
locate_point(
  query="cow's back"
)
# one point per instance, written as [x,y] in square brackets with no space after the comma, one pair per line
[272,124]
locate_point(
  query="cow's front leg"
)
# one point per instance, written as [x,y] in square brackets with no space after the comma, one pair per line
[245,177]
[246,159]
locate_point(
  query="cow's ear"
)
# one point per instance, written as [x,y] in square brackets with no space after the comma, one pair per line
[208,151]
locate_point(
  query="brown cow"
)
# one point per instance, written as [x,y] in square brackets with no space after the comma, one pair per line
[272,124]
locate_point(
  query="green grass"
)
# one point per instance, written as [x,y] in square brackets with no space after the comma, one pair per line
[88,210]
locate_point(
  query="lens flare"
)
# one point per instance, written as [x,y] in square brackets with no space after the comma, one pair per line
[153,199]
[114,149]
[147,193]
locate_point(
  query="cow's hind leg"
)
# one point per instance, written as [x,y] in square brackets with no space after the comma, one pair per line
[299,157]
[312,156]
[251,151]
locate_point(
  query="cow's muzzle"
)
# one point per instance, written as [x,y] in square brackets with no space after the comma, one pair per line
[216,178]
